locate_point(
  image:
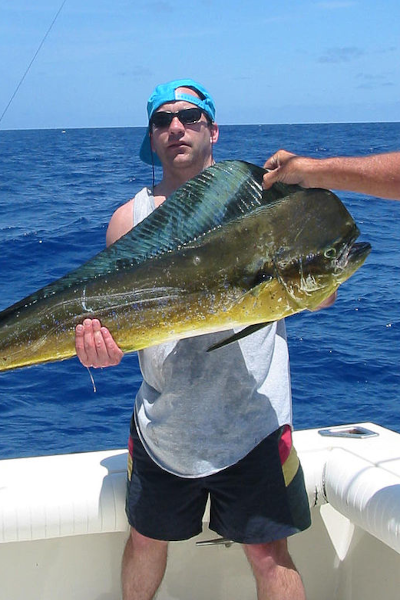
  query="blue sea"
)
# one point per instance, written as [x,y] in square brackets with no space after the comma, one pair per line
[58,190]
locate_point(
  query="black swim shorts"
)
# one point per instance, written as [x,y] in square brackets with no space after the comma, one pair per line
[260,499]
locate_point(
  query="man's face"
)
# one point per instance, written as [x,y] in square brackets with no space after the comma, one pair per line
[184,145]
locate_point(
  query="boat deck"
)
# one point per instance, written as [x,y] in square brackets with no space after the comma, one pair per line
[63,527]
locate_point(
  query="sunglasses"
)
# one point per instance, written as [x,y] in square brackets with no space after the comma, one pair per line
[187,116]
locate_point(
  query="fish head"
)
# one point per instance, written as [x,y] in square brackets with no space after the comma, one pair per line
[315,247]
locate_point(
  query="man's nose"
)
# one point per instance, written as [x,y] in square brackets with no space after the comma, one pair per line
[176,125]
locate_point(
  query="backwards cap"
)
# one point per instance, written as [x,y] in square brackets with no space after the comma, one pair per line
[167,92]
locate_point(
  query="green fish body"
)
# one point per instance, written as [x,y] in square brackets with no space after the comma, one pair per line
[219,253]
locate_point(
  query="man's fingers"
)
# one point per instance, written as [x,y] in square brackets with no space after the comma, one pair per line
[114,353]
[80,345]
[273,162]
[95,346]
[270,178]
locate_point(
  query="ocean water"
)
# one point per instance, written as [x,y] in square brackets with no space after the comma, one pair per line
[58,190]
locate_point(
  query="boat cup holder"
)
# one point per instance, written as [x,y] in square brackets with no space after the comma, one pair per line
[348,431]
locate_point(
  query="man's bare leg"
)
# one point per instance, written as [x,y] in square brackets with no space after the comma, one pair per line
[143,566]
[276,576]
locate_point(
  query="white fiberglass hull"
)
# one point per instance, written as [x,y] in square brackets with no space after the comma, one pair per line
[63,528]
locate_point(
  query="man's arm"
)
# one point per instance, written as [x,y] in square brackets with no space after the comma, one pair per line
[375,175]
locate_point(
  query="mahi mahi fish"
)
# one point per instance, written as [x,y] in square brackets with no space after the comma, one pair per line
[219,253]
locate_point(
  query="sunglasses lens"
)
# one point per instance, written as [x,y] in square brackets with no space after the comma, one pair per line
[186,116]
[162,119]
[189,115]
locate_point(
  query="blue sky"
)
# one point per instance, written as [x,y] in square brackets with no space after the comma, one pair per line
[264,62]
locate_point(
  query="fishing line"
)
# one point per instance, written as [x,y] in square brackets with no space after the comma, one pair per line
[32,61]
[153,171]
[92,380]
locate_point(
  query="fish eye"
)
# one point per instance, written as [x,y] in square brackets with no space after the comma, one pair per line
[261,276]
[330,253]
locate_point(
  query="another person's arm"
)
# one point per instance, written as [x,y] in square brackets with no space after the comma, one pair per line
[375,175]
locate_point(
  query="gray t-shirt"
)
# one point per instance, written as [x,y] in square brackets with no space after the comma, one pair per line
[198,412]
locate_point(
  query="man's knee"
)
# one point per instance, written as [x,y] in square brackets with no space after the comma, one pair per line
[269,555]
[143,543]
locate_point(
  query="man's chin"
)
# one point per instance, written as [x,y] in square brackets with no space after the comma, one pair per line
[181,156]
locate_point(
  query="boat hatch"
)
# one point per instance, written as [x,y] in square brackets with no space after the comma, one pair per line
[350,431]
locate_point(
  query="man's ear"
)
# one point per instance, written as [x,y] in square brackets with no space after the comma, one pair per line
[214,131]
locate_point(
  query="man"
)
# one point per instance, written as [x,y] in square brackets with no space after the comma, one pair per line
[375,175]
[205,423]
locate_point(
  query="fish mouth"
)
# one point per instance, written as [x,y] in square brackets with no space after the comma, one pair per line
[353,257]
[359,251]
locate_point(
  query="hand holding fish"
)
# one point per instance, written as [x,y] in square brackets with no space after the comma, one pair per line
[374,174]
[326,303]
[289,168]
[95,347]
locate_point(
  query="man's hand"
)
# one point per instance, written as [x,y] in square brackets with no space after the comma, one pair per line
[287,167]
[95,346]
[327,302]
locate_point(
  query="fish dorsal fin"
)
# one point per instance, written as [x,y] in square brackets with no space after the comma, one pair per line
[277,191]
[219,194]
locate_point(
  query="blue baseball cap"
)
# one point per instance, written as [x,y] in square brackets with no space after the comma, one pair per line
[167,92]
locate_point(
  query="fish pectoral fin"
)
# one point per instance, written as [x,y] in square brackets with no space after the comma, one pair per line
[261,285]
[238,336]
